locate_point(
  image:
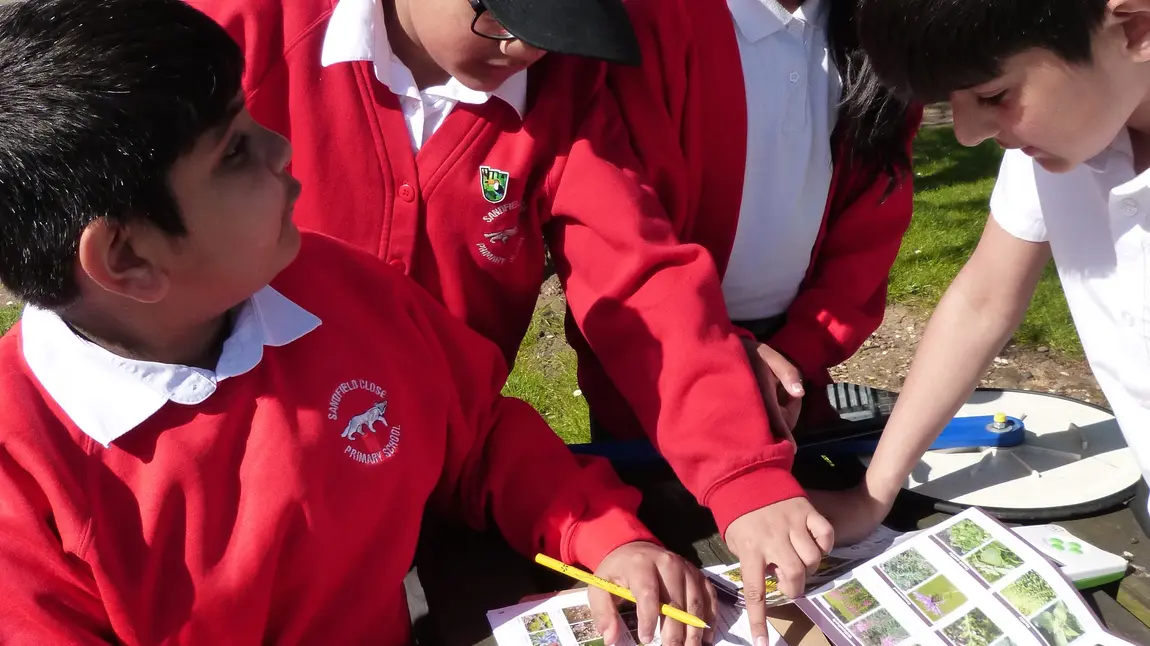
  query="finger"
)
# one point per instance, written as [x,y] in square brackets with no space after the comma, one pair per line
[807,550]
[787,374]
[697,605]
[754,580]
[775,418]
[791,414]
[604,614]
[675,585]
[822,531]
[644,584]
[712,612]
[791,572]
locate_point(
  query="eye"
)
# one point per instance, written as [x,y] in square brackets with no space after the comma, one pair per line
[237,149]
[993,100]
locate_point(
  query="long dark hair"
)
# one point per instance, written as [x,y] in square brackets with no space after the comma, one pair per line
[872,118]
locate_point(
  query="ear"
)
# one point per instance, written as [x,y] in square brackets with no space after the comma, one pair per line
[1134,18]
[123,260]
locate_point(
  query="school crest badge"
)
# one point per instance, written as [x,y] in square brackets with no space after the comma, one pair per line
[494,183]
[369,438]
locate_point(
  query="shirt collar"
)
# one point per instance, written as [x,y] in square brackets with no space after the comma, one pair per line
[107,395]
[757,19]
[356,32]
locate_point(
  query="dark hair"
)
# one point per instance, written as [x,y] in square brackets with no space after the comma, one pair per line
[930,48]
[875,121]
[98,99]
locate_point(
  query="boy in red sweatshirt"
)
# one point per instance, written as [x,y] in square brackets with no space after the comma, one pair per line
[437,135]
[189,455]
[797,177]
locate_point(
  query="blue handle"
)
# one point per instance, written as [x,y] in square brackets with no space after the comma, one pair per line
[960,433]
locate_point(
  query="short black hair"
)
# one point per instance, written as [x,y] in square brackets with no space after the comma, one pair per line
[98,99]
[930,48]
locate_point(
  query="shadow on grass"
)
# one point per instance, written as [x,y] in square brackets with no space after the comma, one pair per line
[940,161]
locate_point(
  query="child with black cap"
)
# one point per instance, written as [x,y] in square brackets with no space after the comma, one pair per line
[191,455]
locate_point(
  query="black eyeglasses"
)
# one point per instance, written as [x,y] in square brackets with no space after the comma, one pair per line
[484,24]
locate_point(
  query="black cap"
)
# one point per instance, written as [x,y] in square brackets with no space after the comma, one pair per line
[593,28]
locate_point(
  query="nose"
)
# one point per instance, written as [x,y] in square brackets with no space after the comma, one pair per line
[279,152]
[974,123]
[520,51]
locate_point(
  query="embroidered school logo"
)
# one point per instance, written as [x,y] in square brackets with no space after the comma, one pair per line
[494,183]
[369,438]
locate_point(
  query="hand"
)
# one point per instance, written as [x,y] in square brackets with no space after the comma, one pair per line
[655,576]
[781,385]
[854,513]
[788,538]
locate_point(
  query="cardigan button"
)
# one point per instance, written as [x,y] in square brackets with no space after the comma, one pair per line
[407,193]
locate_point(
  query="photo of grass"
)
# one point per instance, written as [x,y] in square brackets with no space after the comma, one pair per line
[937,598]
[537,622]
[598,642]
[879,629]
[1058,626]
[575,614]
[545,638]
[1029,594]
[964,536]
[973,629]
[850,601]
[994,561]
[908,569]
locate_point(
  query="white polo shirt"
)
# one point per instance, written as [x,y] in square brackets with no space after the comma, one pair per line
[356,32]
[106,395]
[1095,220]
[793,90]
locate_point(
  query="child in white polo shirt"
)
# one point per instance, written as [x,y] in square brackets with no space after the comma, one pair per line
[1064,85]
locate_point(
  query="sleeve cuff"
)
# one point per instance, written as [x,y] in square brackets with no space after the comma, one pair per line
[743,333]
[595,538]
[757,489]
[804,349]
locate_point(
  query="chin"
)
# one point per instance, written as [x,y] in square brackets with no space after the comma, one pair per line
[487,80]
[1056,164]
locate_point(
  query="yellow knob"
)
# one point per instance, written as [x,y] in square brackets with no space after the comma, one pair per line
[1000,418]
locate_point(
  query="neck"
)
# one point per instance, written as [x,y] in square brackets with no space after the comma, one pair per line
[1139,127]
[407,48]
[142,334]
[790,5]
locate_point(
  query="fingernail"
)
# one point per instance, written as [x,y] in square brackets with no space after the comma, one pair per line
[761,641]
[797,389]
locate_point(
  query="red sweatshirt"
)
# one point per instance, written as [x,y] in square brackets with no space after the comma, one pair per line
[652,308]
[250,518]
[698,108]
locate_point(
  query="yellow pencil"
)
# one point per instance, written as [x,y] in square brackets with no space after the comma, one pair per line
[618,591]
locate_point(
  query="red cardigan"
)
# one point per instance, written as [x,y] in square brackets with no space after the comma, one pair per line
[686,111]
[651,307]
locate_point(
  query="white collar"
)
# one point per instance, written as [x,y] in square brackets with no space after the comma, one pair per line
[757,19]
[356,32]
[106,395]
